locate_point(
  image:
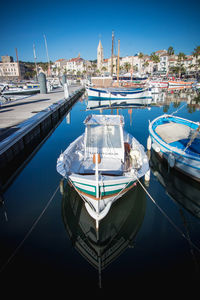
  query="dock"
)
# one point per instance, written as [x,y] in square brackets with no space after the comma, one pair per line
[26,123]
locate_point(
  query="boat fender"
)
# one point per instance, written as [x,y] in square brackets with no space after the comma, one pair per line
[171,160]
[62,186]
[149,143]
[155,148]
[147,176]
[61,158]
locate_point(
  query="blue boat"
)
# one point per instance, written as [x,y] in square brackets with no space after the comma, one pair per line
[178,141]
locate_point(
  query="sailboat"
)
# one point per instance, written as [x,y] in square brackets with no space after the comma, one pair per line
[117,93]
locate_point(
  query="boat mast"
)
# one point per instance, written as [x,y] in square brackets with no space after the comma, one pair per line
[19,78]
[112,53]
[34,54]
[118,63]
[47,54]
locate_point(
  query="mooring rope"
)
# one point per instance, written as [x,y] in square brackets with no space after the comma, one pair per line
[169,219]
[29,232]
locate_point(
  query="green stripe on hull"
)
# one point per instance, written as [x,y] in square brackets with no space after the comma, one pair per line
[104,193]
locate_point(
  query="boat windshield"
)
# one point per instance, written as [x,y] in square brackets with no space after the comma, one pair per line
[104,139]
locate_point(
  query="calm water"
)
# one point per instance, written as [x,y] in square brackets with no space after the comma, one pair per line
[51,242]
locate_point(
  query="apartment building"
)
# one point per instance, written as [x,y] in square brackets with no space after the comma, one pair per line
[11,70]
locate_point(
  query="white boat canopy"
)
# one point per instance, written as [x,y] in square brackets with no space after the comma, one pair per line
[104,120]
[104,135]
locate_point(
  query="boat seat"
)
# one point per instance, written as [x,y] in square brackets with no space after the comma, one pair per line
[172,132]
[107,165]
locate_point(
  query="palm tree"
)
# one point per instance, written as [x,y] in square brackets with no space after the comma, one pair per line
[140,56]
[170,51]
[155,58]
[127,66]
[196,53]
[181,56]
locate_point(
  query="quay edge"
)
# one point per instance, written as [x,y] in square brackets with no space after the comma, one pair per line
[20,146]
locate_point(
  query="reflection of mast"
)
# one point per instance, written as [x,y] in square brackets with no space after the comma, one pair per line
[130,113]
[112,54]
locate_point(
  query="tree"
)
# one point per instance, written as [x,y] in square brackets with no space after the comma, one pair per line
[156,59]
[181,56]
[127,66]
[196,54]
[170,51]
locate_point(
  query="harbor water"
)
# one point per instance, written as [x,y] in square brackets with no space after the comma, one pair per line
[49,242]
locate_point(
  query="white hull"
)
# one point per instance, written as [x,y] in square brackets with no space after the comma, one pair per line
[114,94]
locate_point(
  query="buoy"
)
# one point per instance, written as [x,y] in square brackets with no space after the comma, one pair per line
[62,186]
[171,160]
[149,143]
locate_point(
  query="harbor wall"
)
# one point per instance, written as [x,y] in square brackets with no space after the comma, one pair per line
[20,146]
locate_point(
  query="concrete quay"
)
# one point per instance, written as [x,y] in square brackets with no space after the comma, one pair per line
[26,123]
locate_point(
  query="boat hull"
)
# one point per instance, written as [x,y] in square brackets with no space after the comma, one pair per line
[101,94]
[109,190]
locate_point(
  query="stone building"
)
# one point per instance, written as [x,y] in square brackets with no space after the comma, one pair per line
[99,56]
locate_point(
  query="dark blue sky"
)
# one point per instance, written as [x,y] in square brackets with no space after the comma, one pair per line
[73,27]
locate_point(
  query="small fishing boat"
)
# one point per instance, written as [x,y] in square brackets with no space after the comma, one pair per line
[103,163]
[178,141]
[118,93]
[22,90]
[179,83]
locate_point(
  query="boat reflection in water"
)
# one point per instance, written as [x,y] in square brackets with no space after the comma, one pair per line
[116,233]
[179,187]
[104,104]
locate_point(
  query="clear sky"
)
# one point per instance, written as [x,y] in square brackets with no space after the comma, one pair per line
[73,27]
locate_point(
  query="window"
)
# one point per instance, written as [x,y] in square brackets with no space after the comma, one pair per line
[100,137]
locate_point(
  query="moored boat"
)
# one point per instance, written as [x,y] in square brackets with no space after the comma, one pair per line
[118,93]
[103,163]
[178,141]
[179,83]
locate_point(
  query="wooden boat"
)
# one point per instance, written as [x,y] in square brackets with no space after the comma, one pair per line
[103,163]
[179,83]
[118,93]
[178,141]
